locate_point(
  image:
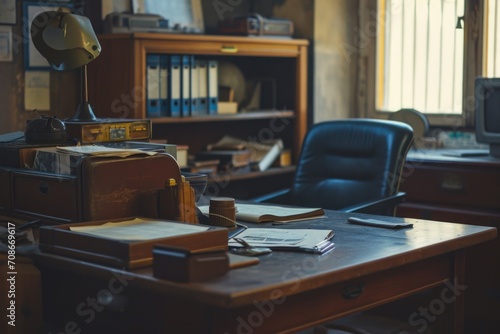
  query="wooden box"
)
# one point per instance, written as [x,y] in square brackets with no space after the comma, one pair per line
[182,264]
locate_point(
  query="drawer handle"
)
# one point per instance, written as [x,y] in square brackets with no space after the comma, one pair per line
[353,291]
[43,187]
[452,182]
[229,49]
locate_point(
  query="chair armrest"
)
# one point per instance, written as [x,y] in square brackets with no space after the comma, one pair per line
[282,196]
[384,206]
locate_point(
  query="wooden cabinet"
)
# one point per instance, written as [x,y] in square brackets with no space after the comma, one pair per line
[117,89]
[462,190]
[445,188]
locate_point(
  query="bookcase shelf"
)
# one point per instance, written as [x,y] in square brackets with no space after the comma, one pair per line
[227,118]
[117,88]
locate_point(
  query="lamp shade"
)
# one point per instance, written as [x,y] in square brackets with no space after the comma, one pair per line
[66,40]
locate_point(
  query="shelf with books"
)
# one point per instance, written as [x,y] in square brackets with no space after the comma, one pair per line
[118,87]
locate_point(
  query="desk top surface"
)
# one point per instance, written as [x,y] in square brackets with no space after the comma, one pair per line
[359,250]
[453,156]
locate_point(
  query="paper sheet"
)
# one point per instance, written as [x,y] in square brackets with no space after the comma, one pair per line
[139,229]
[37,90]
[103,151]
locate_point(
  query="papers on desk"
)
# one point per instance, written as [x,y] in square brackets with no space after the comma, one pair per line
[303,240]
[139,229]
[256,213]
[102,151]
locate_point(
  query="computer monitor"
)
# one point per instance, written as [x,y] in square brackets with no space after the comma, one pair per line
[487,109]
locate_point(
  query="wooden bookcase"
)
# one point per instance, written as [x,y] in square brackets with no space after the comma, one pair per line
[117,89]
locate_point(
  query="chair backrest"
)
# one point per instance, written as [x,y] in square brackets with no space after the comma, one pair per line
[350,161]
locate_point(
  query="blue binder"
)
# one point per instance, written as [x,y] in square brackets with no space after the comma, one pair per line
[185,85]
[174,86]
[213,87]
[153,85]
[195,87]
[164,105]
[202,86]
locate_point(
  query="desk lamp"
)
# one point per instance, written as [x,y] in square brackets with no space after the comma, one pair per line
[68,41]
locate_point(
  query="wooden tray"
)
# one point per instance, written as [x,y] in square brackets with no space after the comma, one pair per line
[128,254]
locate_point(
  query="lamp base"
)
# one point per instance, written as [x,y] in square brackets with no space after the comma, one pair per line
[84,113]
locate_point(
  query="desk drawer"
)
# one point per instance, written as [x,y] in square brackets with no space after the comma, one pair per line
[50,197]
[456,186]
[341,299]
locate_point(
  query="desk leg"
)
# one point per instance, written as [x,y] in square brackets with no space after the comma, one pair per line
[459,281]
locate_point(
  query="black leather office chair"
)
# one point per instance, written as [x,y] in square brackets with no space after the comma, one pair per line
[352,165]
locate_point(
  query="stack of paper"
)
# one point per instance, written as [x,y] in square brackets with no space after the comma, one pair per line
[102,151]
[257,213]
[304,240]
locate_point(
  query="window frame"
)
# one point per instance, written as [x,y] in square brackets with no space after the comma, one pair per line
[369,65]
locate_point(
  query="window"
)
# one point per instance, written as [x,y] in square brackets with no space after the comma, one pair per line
[420,56]
[421,59]
[492,39]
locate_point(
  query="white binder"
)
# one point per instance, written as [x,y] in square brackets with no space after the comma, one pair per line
[213,86]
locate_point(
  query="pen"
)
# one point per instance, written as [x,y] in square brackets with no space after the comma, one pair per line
[323,246]
[239,228]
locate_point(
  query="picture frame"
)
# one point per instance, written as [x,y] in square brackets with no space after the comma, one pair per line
[33,60]
[8,12]
[5,43]
[182,15]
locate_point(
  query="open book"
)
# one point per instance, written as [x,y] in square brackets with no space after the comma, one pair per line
[256,213]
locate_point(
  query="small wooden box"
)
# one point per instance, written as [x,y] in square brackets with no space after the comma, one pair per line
[188,265]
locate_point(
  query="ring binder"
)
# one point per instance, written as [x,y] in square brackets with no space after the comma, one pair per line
[153,85]
[164,85]
[185,85]
[213,88]
[174,86]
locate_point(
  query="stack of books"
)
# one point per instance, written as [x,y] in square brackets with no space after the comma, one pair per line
[209,167]
[261,155]
[234,161]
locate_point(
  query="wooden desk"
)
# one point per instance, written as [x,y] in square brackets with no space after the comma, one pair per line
[286,292]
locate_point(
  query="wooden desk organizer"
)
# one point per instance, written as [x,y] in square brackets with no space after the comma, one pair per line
[104,188]
[128,254]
